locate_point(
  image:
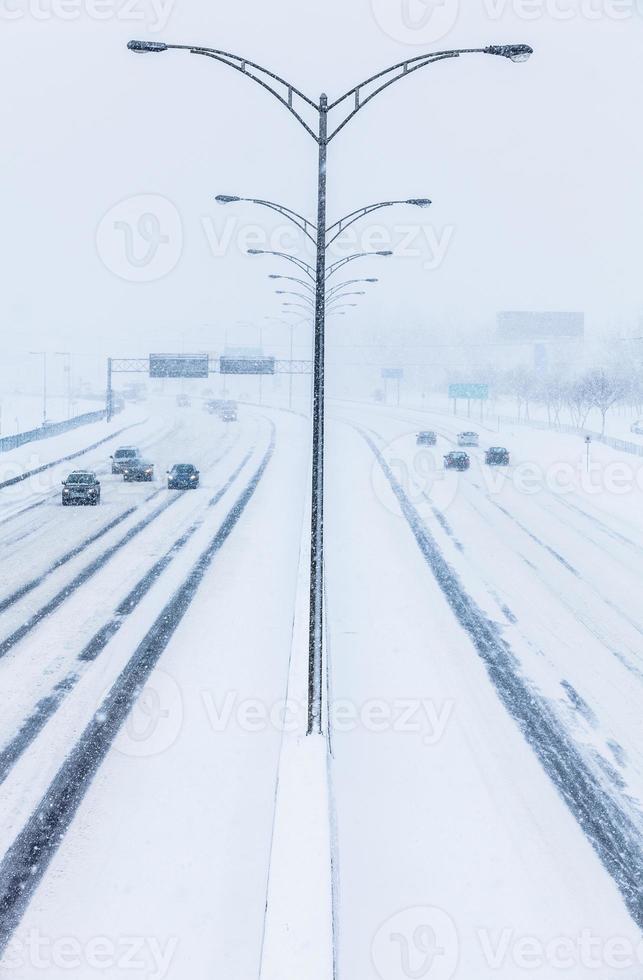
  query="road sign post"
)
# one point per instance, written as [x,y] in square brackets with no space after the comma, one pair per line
[469,392]
[247,365]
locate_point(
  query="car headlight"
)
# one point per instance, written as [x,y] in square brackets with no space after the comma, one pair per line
[65,490]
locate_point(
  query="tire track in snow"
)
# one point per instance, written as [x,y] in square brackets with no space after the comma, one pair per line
[29,586]
[26,861]
[616,839]
[52,495]
[86,573]
[64,459]
[47,706]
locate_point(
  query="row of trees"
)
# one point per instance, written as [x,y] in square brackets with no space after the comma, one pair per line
[575,395]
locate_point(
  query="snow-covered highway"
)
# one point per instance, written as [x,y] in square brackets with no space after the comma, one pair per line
[491,659]
[484,672]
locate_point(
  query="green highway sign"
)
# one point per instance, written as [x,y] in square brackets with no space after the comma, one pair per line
[469,391]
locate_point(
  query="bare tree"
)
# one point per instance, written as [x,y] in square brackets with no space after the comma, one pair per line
[604,391]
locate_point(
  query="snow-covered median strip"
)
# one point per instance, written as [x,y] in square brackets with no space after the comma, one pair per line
[298,929]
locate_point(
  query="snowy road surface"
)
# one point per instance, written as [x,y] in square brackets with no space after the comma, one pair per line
[485,638]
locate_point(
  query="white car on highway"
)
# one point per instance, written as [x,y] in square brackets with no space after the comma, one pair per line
[468,439]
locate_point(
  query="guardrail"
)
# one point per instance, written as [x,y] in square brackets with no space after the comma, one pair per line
[622,445]
[46,431]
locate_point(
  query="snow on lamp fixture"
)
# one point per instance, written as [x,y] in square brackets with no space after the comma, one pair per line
[515,52]
[144,47]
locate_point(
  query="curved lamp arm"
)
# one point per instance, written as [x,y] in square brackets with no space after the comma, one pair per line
[351,258]
[285,93]
[291,292]
[348,282]
[302,282]
[383,79]
[299,306]
[339,226]
[303,224]
[307,269]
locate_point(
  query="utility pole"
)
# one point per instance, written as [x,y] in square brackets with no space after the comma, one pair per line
[109,396]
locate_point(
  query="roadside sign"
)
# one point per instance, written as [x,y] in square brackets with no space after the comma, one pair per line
[247,365]
[393,374]
[178,365]
[469,391]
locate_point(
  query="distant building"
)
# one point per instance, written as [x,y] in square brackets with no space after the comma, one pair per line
[549,337]
[533,326]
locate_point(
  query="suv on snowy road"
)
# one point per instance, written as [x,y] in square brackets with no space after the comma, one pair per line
[426,438]
[497,456]
[139,470]
[183,476]
[81,487]
[123,457]
[456,461]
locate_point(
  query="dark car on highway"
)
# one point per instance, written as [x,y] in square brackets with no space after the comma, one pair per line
[138,469]
[123,457]
[497,456]
[456,461]
[182,476]
[426,438]
[81,487]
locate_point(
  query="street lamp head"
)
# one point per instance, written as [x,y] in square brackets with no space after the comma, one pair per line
[371,280]
[226,199]
[384,253]
[515,52]
[144,47]
[256,251]
[420,202]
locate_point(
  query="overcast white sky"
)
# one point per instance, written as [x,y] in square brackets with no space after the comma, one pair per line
[534,170]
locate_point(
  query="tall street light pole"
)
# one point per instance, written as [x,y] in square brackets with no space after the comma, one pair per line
[299,105]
